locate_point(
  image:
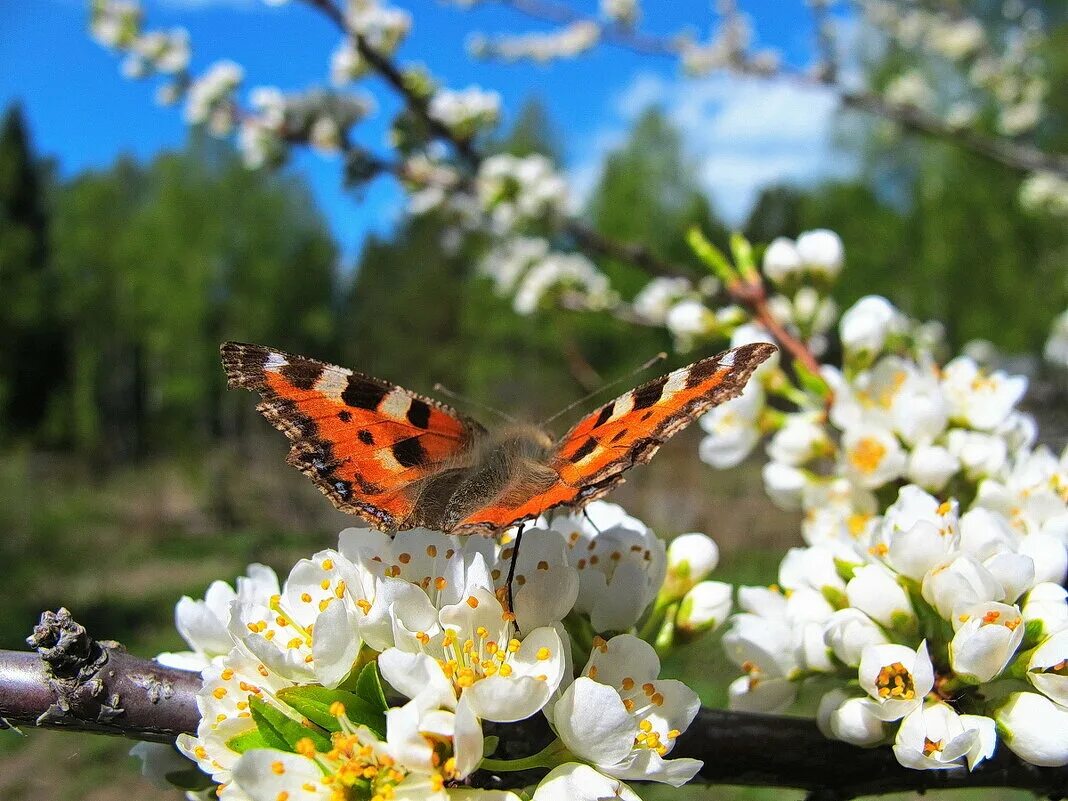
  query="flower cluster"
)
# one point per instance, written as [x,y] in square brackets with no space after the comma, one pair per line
[372,668]
[927,605]
[117,24]
[567,42]
[466,112]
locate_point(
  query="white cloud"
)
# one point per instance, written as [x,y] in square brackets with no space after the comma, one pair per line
[743,134]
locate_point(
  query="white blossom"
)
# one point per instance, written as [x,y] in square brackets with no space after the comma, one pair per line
[577,782]
[1047,668]
[620,717]
[987,636]
[978,399]
[731,428]
[621,564]
[872,456]
[935,737]
[865,326]
[896,677]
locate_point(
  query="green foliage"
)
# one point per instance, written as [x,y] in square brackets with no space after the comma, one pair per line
[281,731]
[365,707]
[159,264]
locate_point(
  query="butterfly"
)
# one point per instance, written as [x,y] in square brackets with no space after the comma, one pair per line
[400,460]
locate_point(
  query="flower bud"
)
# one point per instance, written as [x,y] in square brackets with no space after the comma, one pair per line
[931,467]
[1035,729]
[690,318]
[852,719]
[781,260]
[703,608]
[874,591]
[821,251]
[784,484]
[690,558]
[865,326]
[849,631]
[800,439]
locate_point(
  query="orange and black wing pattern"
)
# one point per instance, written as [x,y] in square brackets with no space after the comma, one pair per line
[592,457]
[368,445]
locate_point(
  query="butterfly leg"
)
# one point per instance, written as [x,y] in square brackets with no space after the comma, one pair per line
[511,569]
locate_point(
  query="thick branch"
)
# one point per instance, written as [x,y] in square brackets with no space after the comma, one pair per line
[75,683]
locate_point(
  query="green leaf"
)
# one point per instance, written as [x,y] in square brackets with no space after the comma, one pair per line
[314,703]
[369,686]
[811,382]
[711,256]
[247,741]
[281,731]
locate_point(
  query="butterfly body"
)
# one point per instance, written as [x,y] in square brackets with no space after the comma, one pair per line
[401,460]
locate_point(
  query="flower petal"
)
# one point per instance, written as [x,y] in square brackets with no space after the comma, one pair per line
[575,782]
[593,723]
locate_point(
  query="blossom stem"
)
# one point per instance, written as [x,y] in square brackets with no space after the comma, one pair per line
[553,755]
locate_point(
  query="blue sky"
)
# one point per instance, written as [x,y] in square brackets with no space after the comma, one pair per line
[743,134]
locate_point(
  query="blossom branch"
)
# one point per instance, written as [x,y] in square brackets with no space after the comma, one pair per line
[750,294]
[1012,154]
[76,683]
[395,78]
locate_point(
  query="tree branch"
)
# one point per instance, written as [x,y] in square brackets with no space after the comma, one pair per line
[395,78]
[75,683]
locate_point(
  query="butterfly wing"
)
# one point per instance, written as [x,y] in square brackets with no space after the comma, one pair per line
[368,445]
[592,456]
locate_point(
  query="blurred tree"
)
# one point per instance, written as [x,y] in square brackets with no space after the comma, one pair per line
[161,263]
[531,133]
[777,212]
[648,193]
[32,360]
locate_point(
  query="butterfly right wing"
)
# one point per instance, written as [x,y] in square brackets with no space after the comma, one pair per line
[592,457]
[370,446]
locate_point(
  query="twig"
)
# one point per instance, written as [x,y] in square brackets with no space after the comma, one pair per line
[73,682]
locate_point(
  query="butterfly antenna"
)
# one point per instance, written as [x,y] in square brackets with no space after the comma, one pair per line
[471,402]
[658,358]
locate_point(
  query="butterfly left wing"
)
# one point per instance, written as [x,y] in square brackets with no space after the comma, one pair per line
[592,457]
[370,446]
